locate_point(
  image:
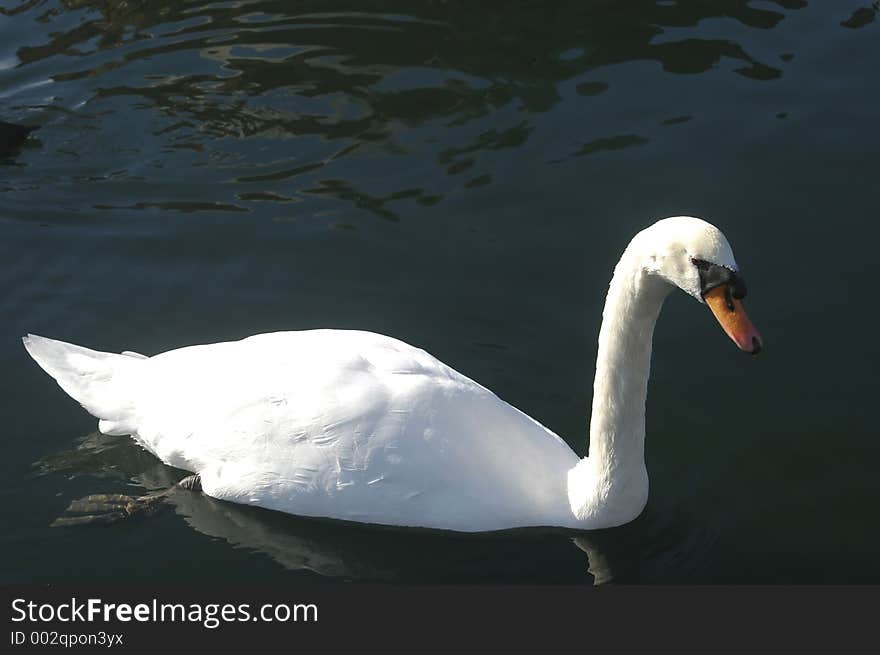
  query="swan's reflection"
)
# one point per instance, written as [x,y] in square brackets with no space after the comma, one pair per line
[356,552]
[613,554]
[352,551]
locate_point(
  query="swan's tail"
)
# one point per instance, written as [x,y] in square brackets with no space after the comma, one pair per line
[101,382]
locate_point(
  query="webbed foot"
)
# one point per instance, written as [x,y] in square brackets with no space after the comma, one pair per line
[105,509]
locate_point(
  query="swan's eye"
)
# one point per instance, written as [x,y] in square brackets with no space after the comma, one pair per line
[715,275]
[738,286]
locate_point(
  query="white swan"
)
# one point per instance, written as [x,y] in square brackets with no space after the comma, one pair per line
[361,427]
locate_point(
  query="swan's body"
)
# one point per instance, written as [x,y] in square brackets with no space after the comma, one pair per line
[358,426]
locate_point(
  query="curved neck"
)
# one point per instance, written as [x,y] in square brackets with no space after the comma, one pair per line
[623,363]
[612,482]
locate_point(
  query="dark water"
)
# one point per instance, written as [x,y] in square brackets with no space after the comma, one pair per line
[462,176]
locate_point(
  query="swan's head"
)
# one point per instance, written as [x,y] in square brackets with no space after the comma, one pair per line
[695,256]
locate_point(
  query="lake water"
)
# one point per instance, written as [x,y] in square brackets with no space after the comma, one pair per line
[462,176]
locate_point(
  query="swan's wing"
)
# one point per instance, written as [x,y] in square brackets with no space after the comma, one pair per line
[349,425]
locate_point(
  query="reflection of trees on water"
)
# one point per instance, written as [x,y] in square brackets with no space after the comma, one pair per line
[484,39]
[353,551]
[359,75]
[862,16]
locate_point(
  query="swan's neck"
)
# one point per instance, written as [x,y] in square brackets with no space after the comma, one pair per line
[610,486]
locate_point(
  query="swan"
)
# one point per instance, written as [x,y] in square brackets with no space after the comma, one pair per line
[357,426]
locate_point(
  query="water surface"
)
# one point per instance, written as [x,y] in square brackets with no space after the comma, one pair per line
[462,176]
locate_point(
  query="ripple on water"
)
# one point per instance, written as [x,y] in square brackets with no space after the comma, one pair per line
[326,103]
[446,172]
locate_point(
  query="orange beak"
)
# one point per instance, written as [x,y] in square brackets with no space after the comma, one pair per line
[733,318]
